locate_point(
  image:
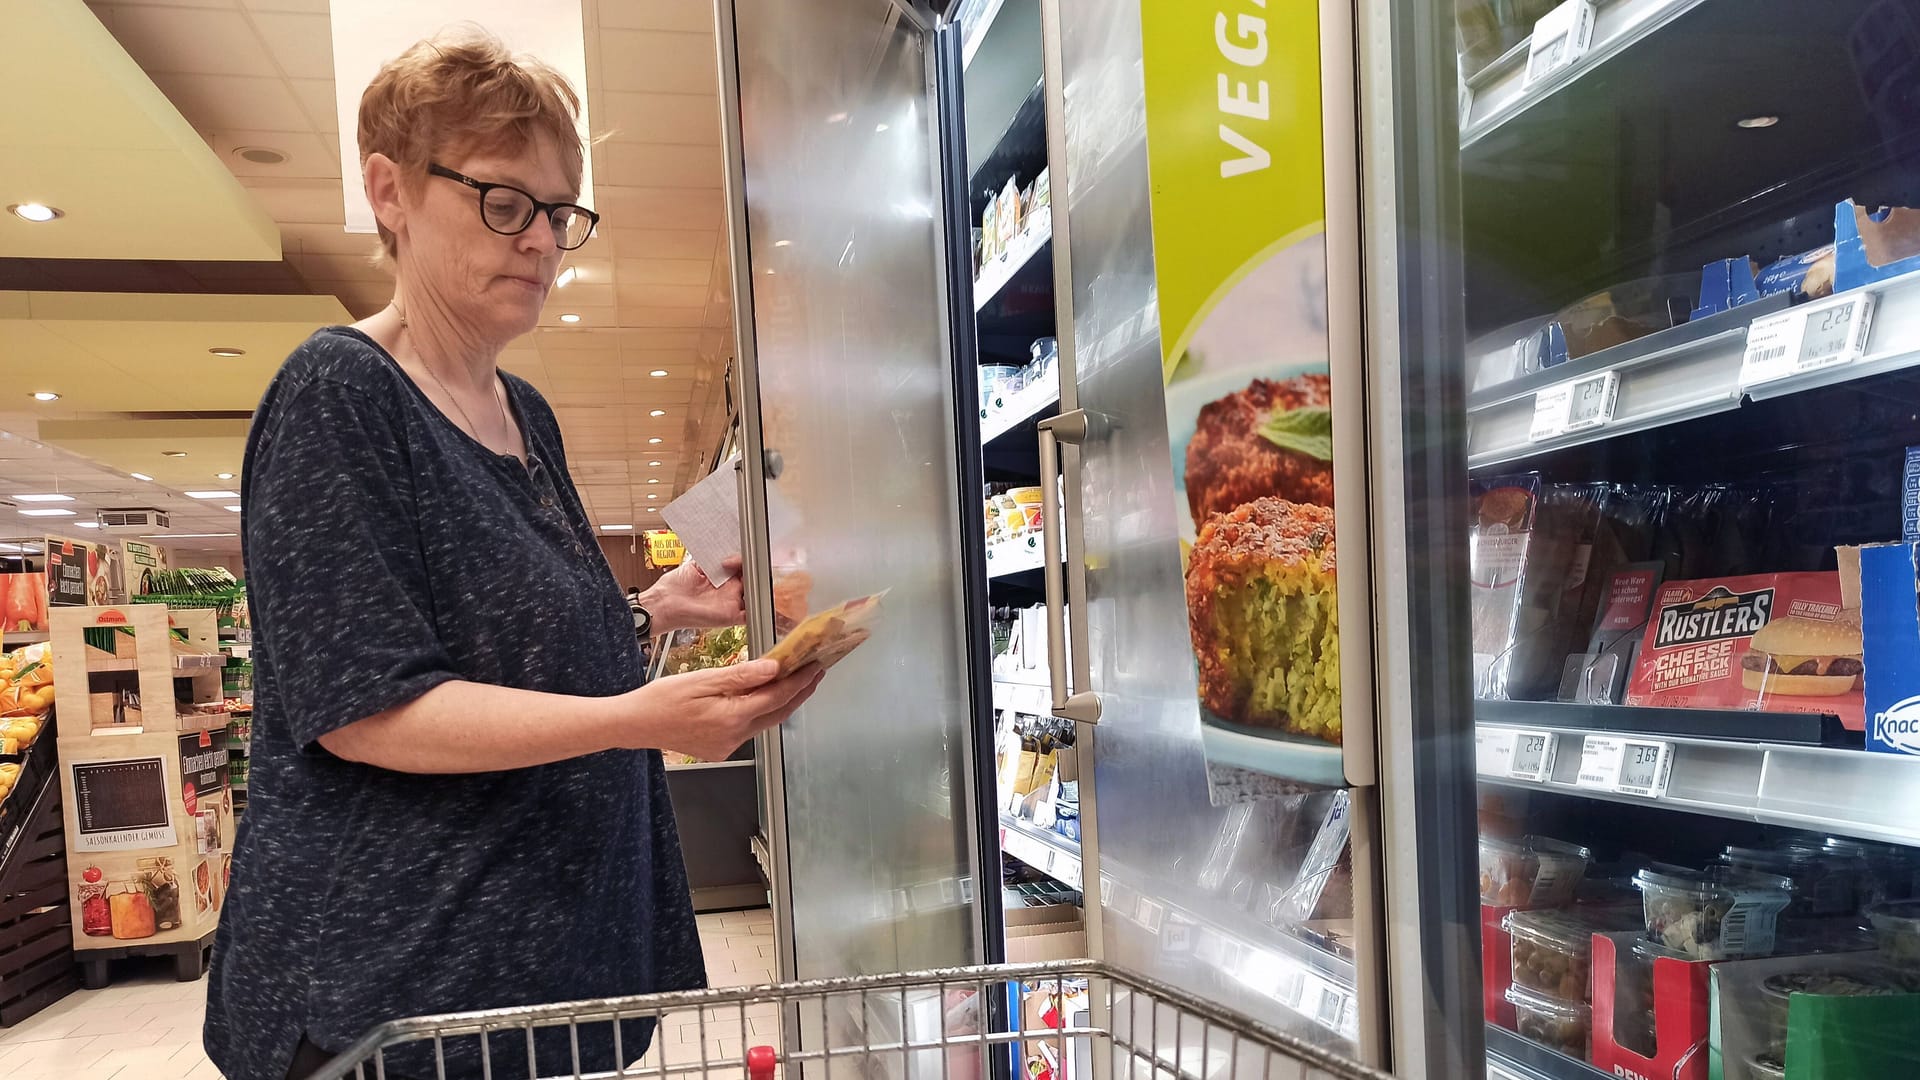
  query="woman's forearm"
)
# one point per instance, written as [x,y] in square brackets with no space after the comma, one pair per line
[469,727]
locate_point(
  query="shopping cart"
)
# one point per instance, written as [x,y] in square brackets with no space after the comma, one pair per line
[1094,1022]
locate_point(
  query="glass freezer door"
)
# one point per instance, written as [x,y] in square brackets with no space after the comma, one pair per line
[1650,274]
[851,483]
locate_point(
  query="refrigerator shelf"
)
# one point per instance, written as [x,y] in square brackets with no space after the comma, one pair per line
[1043,849]
[1685,373]
[1025,250]
[1509,1055]
[1798,784]
[1499,93]
[1010,557]
[1021,409]
[1032,699]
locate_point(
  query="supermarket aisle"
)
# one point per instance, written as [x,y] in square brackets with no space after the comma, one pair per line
[146,1026]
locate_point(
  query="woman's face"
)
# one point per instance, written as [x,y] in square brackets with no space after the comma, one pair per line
[493,284]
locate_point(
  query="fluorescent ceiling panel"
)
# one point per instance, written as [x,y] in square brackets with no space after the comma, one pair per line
[368,33]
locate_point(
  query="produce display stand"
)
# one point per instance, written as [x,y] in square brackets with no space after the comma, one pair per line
[148,811]
[36,944]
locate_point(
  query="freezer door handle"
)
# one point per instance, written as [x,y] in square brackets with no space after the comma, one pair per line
[1075,702]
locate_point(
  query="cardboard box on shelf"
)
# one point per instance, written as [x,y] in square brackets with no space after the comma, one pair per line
[1628,991]
[1890,622]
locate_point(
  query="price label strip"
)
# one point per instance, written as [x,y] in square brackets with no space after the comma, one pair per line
[1625,766]
[1575,405]
[1515,754]
[1823,335]
[1561,37]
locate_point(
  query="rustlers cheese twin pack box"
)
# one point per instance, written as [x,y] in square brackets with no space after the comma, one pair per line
[1764,642]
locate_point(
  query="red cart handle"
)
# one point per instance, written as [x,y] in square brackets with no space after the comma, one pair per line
[760,1062]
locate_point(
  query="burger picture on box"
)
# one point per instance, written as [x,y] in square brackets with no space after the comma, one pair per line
[1764,643]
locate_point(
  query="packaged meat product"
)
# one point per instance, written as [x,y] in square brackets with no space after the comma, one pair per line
[1765,642]
[1566,1026]
[1719,914]
[1532,871]
[1528,557]
[1897,927]
[1552,950]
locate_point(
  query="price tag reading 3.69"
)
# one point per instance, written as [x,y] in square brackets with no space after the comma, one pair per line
[1643,768]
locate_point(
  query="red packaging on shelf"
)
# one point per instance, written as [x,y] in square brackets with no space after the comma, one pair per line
[1764,643]
[1680,993]
[1496,965]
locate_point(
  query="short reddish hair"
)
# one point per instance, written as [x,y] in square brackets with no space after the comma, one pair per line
[449,96]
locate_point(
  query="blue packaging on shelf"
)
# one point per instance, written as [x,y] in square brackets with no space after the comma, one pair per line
[1873,246]
[1788,274]
[1910,497]
[1890,625]
[1725,285]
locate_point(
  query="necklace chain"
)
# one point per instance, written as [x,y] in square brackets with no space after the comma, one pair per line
[506,424]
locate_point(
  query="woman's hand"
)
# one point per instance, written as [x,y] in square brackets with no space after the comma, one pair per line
[685,598]
[710,713]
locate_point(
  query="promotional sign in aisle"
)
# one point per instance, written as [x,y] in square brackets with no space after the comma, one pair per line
[1235,152]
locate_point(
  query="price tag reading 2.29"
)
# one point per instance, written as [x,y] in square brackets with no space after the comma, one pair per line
[1820,335]
[1626,766]
[1574,405]
[1515,754]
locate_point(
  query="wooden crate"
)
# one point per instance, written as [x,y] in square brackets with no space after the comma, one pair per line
[148,809]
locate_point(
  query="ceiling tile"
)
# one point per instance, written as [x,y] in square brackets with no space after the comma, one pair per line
[633,243]
[699,208]
[325,239]
[670,317]
[196,41]
[658,61]
[719,315]
[660,296]
[314,7]
[659,164]
[303,201]
[659,118]
[662,271]
[316,99]
[235,102]
[309,154]
[686,16]
[302,45]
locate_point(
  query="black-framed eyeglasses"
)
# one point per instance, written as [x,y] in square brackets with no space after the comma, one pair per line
[508,211]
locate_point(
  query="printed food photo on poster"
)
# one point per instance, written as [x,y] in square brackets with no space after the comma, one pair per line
[1241,267]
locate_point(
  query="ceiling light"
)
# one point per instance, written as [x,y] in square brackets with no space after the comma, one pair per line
[836,118]
[44,498]
[658,373]
[1754,122]
[616,528]
[569,317]
[227,350]
[567,274]
[86,524]
[173,453]
[47,511]
[769,269]
[653,509]
[879,127]
[33,211]
[141,476]
[655,441]
[223,476]
[261,155]
[235,509]
[185,536]
[655,480]
[213,494]
[783,243]
[650,497]
[658,412]
[655,464]
[46,395]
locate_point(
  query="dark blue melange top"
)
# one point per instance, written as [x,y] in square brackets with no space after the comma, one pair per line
[388,552]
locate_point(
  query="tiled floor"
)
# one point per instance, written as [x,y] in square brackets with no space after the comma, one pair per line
[146,1026]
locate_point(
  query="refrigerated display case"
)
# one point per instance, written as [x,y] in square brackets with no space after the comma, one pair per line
[1643,273]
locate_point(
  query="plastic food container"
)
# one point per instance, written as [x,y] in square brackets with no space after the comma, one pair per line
[1719,914]
[1776,989]
[1566,1026]
[1633,1022]
[1825,882]
[1532,871]
[1553,950]
[1767,1065]
[1897,926]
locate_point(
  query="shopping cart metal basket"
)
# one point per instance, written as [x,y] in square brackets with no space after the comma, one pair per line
[1094,1022]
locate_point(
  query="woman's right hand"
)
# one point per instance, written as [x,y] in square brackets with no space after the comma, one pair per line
[708,714]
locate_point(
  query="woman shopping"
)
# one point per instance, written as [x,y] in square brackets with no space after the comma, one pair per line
[458,800]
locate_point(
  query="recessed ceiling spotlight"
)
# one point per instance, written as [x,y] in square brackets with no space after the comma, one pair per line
[769,269]
[655,480]
[879,127]
[783,243]
[658,412]
[86,524]
[213,494]
[33,211]
[227,351]
[173,453]
[658,373]
[836,118]
[655,464]
[223,476]
[567,274]
[44,498]
[141,476]
[261,155]
[655,441]
[185,536]
[47,511]
[46,395]
[569,317]
[1753,122]
[616,528]
[650,497]
[235,508]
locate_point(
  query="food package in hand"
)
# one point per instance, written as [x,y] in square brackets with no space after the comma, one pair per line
[827,637]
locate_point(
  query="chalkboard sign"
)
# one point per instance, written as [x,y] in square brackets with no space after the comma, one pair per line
[66,573]
[121,805]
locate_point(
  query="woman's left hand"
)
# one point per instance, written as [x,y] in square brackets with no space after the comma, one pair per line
[685,598]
